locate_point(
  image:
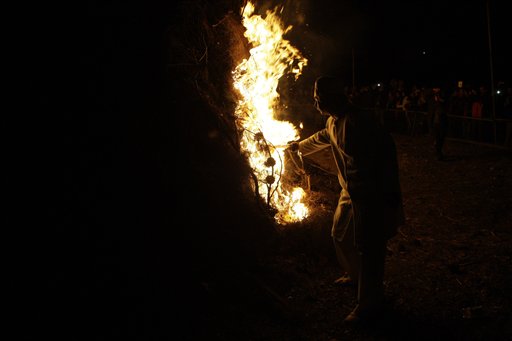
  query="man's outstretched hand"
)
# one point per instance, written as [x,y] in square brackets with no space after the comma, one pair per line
[294,146]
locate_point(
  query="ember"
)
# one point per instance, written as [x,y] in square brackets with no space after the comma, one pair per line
[263,138]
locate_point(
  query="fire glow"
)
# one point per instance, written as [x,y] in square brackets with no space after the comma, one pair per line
[262,137]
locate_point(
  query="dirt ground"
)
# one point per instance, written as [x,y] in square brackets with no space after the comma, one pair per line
[448,271]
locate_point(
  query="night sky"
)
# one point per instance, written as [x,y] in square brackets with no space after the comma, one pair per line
[423,41]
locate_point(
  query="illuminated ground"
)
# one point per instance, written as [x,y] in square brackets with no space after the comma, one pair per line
[448,270]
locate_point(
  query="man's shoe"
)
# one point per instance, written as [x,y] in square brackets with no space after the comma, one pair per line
[345,281]
[353,318]
[360,315]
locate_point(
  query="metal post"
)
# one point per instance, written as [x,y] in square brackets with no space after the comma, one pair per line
[353,71]
[493,103]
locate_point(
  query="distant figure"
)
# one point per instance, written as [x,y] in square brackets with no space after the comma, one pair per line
[370,207]
[439,120]
[475,112]
[380,104]
[405,105]
[458,103]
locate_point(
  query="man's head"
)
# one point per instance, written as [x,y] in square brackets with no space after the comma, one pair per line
[329,95]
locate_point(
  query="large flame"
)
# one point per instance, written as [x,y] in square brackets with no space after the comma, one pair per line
[264,138]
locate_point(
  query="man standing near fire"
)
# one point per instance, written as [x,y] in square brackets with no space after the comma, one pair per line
[370,207]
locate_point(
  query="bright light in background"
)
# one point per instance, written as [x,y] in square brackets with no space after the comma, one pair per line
[263,138]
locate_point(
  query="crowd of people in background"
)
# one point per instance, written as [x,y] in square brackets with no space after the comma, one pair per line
[427,109]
